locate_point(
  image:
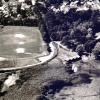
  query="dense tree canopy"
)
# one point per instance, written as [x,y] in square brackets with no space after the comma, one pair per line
[73,22]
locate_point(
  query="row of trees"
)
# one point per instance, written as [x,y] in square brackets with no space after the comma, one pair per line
[17,13]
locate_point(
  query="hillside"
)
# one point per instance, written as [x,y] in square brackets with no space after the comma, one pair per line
[73,23]
[74,71]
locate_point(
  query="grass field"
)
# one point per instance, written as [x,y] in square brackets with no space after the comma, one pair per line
[20,41]
[20,44]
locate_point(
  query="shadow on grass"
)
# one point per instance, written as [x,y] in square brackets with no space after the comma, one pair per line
[82,78]
[3,93]
[54,86]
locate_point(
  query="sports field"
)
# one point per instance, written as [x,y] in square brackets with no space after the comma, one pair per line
[20,41]
[21,44]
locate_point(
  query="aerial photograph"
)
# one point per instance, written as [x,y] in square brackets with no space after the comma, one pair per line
[49,49]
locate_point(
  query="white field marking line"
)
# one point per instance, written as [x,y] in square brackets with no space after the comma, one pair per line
[53,53]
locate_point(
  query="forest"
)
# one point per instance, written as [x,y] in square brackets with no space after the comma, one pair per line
[74,23]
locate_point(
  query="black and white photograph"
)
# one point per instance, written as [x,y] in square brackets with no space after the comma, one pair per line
[49,49]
